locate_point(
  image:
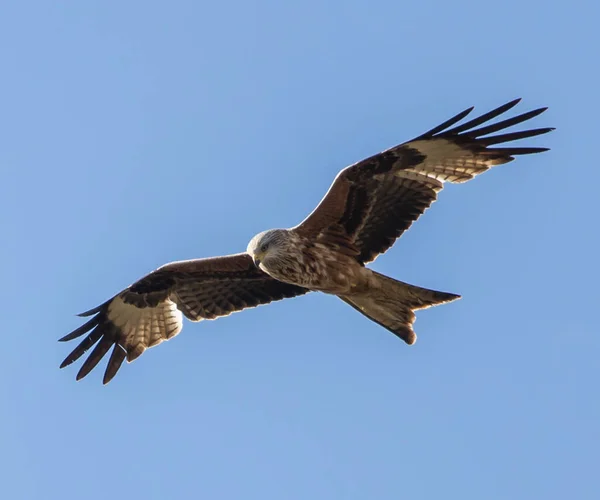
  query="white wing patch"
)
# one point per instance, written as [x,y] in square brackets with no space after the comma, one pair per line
[421,177]
[144,327]
[446,161]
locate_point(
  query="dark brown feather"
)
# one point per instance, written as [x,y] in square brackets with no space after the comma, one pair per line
[397,205]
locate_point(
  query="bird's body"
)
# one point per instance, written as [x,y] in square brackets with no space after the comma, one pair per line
[369,205]
[298,260]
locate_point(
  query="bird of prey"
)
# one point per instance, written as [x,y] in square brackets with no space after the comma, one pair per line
[369,205]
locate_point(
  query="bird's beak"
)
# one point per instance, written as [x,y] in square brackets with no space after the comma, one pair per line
[256,260]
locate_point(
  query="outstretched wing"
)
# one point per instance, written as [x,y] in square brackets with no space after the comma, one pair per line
[150,311]
[371,203]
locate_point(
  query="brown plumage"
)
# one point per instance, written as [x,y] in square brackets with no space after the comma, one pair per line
[369,205]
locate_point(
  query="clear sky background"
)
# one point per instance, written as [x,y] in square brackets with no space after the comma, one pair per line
[137,133]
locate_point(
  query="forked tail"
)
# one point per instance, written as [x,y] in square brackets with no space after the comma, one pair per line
[391,304]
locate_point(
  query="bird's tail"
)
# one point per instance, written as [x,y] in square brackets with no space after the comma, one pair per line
[391,304]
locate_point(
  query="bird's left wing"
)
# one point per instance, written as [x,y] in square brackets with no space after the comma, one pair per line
[150,311]
[371,203]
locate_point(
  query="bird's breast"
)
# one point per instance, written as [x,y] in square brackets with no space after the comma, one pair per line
[316,267]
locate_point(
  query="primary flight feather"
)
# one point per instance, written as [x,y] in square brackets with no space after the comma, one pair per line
[368,206]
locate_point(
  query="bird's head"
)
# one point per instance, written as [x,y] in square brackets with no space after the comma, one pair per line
[267,245]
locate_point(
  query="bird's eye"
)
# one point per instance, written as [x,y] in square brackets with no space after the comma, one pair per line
[264,248]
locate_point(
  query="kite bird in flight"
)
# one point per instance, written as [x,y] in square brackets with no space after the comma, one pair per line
[369,205]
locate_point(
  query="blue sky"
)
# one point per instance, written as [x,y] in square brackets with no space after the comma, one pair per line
[137,133]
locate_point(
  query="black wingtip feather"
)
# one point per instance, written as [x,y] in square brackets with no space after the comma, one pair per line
[446,124]
[95,309]
[520,151]
[78,332]
[509,122]
[114,363]
[81,349]
[468,129]
[490,115]
[102,331]
[515,136]
[96,355]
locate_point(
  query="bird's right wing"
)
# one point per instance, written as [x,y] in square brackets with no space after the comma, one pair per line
[150,311]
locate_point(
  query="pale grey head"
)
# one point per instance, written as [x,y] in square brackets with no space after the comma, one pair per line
[269,247]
